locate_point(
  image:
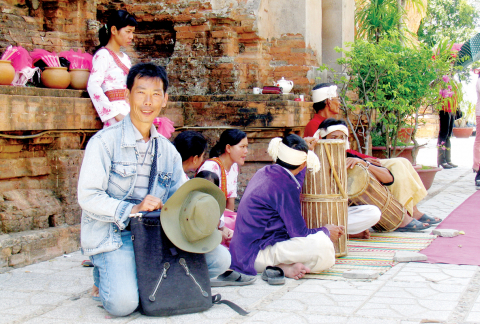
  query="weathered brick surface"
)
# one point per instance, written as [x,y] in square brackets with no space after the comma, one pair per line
[21,249]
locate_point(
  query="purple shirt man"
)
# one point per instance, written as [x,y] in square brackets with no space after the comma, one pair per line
[269,212]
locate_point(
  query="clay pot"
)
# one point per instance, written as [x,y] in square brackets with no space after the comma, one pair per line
[7,72]
[56,77]
[380,152]
[79,78]
[427,176]
[462,132]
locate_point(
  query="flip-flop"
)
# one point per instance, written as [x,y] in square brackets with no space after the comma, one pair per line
[87,263]
[428,219]
[232,278]
[274,276]
[96,298]
[413,226]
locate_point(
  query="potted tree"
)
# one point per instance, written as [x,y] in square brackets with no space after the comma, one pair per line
[462,128]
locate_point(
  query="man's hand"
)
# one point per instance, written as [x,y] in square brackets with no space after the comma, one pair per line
[226,234]
[374,161]
[351,162]
[311,141]
[149,203]
[335,231]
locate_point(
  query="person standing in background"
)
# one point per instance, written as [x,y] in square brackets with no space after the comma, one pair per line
[476,145]
[107,82]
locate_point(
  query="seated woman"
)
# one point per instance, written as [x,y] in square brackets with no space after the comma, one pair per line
[397,174]
[270,229]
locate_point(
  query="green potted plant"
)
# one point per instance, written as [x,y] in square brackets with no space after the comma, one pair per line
[463,126]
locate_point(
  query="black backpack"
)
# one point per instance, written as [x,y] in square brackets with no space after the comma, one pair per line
[170,281]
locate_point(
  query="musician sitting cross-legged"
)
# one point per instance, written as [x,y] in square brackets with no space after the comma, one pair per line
[396,174]
[270,229]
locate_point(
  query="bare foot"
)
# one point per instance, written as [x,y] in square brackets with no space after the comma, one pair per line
[95,291]
[362,235]
[294,271]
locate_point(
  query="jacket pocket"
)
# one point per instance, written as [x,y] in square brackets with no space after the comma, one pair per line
[121,179]
[164,183]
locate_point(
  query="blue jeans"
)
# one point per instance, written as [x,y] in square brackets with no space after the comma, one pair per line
[116,277]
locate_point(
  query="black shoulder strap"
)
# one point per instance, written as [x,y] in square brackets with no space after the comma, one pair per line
[217,299]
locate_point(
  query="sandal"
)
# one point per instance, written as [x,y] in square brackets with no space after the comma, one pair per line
[413,226]
[274,276]
[232,278]
[428,219]
[87,263]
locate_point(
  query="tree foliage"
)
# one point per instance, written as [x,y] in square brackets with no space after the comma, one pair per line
[391,82]
[376,19]
[452,19]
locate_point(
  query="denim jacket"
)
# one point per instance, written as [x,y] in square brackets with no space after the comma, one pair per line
[107,179]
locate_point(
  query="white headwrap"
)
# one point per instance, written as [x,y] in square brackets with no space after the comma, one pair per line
[278,150]
[323,132]
[321,94]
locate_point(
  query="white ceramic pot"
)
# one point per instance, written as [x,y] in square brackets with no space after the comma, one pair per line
[286,85]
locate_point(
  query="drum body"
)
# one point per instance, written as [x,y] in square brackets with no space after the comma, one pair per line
[365,189]
[324,199]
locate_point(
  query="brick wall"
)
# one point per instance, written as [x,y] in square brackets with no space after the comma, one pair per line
[205,52]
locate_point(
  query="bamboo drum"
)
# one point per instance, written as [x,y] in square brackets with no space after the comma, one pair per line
[364,189]
[324,199]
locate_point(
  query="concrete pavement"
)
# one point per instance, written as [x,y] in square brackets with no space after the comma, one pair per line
[58,291]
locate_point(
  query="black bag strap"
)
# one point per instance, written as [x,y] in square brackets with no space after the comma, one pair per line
[153,169]
[217,299]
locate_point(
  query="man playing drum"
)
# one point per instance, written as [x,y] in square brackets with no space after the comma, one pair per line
[393,173]
[270,230]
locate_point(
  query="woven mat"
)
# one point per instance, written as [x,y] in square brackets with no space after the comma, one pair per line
[375,254]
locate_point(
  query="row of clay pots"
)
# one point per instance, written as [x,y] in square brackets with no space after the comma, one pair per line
[52,77]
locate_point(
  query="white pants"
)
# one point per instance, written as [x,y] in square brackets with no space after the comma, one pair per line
[315,251]
[362,217]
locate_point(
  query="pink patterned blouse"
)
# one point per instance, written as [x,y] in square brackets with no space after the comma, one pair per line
[232,176]
[106,76]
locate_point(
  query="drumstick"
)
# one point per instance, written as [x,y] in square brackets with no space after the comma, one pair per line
[339,184]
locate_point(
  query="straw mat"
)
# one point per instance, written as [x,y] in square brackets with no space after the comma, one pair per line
[375,254]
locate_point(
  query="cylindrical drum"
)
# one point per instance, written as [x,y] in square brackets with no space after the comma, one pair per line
[364,189]
[324,197]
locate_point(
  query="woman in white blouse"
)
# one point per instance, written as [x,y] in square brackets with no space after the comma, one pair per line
[107,82]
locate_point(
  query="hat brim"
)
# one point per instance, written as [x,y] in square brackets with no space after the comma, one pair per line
[169,217]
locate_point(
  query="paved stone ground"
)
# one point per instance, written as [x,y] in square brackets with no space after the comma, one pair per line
[58,291]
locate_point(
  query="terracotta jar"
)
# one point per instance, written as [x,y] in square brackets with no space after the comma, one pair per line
[56,77]
[7,72]
[79,78]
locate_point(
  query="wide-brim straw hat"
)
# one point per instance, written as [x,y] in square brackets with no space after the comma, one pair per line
[190,217]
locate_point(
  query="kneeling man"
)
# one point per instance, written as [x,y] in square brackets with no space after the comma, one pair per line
[128,168]
[270,229]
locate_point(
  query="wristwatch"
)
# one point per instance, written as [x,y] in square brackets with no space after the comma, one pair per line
[368,164]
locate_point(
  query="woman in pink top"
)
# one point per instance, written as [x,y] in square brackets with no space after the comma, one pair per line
[476,146]
[107,82]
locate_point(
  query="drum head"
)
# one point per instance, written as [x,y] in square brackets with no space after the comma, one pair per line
[357,179]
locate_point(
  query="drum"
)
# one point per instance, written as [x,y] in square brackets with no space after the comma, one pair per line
[365,189]
[324,198]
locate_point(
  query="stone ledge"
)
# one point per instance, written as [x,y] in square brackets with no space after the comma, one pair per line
[43,92]
[24,248]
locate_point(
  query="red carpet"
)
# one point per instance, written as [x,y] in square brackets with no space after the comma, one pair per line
[462,249]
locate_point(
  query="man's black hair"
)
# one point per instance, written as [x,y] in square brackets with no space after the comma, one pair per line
[209,175]
[332,122]
[147,70]
[190,143]
[295,142]
[317,106]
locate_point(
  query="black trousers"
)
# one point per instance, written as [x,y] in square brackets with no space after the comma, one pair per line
[446,129]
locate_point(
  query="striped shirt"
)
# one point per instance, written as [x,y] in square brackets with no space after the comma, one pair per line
[145,152]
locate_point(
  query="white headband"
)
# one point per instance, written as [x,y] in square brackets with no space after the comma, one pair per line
[278,150]
[321,94]
[323,132]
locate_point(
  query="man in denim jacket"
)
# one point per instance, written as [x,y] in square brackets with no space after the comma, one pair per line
[116,168]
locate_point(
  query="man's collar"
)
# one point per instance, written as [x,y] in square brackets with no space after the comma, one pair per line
[138,136]
[128,132]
